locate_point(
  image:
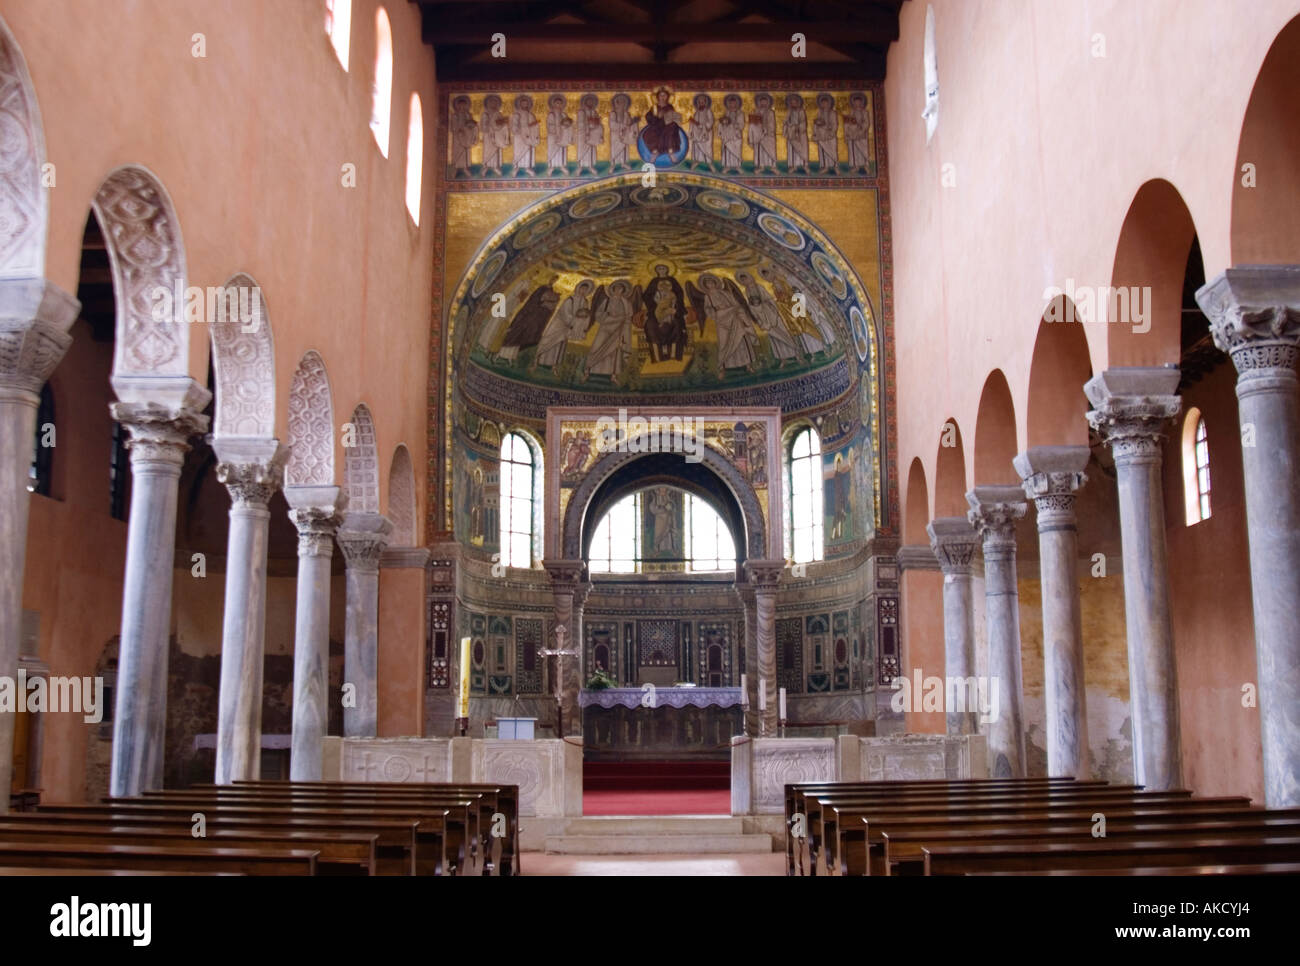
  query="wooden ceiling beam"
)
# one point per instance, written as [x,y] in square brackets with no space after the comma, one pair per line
[824,32]
[501,73]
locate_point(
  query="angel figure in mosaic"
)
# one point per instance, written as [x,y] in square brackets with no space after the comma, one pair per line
[525,135]
[797,313]
[589,133]
[464,133]
[857,132]
[761,130]
[494,128]
[722,301]
[613,308]
[796,134]
[700,130]
[622,130]
[731,132]
[767,315]
[569,323]
[826,126]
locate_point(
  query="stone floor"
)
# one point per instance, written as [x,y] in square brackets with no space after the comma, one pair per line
[540,863]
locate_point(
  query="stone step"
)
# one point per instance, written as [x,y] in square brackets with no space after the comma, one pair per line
[655,825]
[664,842]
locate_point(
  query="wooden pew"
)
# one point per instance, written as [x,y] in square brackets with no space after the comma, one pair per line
[1167,851]
[486,848]
[504,797]
[801,798]
[857,841]
[796,793]
[270,860]
[903,851]
[858,848]
[457,815]
[463,810]
[340,853]
[405,844]
[823,820]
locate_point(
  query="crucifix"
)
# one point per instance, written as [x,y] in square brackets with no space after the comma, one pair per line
[559,653]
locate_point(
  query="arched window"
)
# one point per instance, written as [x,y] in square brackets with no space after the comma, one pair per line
[519,501]
[805,489]
[930,65]
[39,477]
[612,552]
[338,24]
[1196,467]
[382,109]
[414,158]
[709,545]
[616,543]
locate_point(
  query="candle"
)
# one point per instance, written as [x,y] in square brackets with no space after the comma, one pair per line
[762,694]
[464,677]
[781,703]
[744,690]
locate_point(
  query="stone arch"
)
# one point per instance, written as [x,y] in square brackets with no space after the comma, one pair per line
[950,472]
[1059,368]
[311,425]
[24,206]
[995,432]
[1144,306]
[401,497]
[361,464]
[916,512]
[147,258]
[578,515]
[243,357]
[1265,227]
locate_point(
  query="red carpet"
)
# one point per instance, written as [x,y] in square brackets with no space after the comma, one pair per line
[656,788]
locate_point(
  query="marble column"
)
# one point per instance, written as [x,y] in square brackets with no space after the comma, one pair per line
[362,538]
[994,512]
[569,587]
[161,413]
[954,542]
[34,320]
[1254,315]
[317,512]
[252,468]
[764,575]
[745,592]
[1131,407]
[1051,476]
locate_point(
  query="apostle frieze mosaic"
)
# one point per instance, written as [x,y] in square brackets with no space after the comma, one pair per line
[577,134]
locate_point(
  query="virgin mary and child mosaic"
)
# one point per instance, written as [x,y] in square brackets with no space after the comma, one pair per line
[683,330]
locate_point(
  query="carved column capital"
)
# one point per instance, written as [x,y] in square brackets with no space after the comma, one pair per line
[362,538]
[159,433]
[567,576]
[764,575]
[993,514]
[35,316]
[316,527]
[251,469]
[1051,475]
[1254,314]
[954,542]
[1131,410]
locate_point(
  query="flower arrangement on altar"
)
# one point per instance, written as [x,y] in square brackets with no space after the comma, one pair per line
[600,680]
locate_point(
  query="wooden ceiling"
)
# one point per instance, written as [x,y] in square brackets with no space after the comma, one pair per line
[659,40]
